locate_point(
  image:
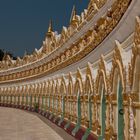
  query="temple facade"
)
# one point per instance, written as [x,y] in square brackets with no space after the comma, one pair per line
[86,79]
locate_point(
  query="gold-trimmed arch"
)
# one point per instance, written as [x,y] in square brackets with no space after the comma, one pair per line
[57,87]
[79,83]
[135,62]
[89,83]
[101,76]
[49,86]
[53,86]
[63,87]
[70,84]
[118,88]
[118,68]
[135,77]
[101,89]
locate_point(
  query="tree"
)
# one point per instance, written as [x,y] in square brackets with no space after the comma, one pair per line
[1,54]
[11,55]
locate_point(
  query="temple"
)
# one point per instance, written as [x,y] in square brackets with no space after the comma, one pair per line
[86,79]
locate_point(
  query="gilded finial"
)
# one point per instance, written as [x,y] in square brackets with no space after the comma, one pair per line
[73,14]
[50,29]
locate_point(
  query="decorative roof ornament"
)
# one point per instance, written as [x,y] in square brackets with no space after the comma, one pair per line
[92,6]
[50,29]
[6,57]
[25,52]
[73,15]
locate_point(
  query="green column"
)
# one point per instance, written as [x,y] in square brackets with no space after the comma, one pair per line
[42,103]
[18,100]
[22,103]
[49,103]
[85,136]
[10,99]
[7,99]
[77,127]
[103,114]
[63,107]
[45,103]
[90,112]
[14,99]
[120,113]
[26,99]
[30,100]
[35,99]
[3,98]
[63,110]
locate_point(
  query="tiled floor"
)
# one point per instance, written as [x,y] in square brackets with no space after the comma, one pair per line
[20,125]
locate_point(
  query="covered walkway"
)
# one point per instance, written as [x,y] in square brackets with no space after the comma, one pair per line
[16,124]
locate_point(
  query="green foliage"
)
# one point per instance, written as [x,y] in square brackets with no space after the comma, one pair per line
[1,54]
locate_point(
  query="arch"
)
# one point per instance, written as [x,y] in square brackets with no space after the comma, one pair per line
[45,87]
[118,87]
[59,100]
[70,84]
[101,85]
[88,106]
[135,74]
[53,87]
[136,70]
[70,88]
[47,95]
[57,87]
[78,91]
[63,87]
[49,86]
[57,97]
[78,87]
[89,80]
[51,96]
[118,65]
[63,93]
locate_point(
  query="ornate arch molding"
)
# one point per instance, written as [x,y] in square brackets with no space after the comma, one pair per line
[101,75]
[53,87]
[118,66]
[57,88]
[118,95]
[63,87]
[134,73]
[70,84]
[44,87]
[79,83]
[49,86]
[41,86]
[89,83]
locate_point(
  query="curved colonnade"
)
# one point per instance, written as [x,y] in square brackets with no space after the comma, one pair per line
[99,102]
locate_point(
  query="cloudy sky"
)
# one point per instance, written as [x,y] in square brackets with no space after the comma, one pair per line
[23,23]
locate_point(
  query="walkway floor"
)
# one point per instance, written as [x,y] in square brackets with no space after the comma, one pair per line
[20,125]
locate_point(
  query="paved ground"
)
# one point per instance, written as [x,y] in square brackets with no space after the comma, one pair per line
[20,125]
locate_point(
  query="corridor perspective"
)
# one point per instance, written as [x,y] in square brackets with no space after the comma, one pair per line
[16,124]
[82,83]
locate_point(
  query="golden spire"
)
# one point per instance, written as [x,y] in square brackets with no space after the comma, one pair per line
[50,30]
[73,14]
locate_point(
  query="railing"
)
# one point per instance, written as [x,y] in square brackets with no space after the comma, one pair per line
[100,108]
